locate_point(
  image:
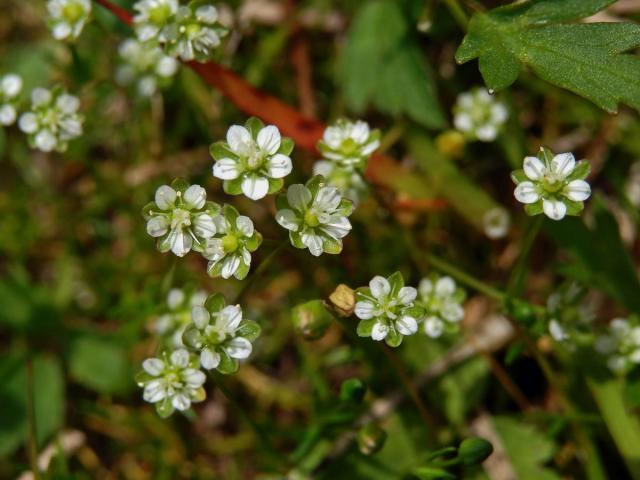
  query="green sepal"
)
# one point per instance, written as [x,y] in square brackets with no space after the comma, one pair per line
[533,209]
[275,185]
[220,150]
[164,407]
[242,271]
[254,242]
[581,171]
[214,268]
[518,176]
[296,240]
[180,185]
[286,146]
[254,125]
[163,243]
[231,214]
[199,395]
[233,187]
[212,208]
[282,203]
[346,207]
[416,312]
[249,330]
[191,337]
[331,246]
[365,327]
[546,155]
[227,364]
[397,282]
[215,303]
[143,377]
[363,293]
[314,184]
[148,208]
[393,338]
[573,208]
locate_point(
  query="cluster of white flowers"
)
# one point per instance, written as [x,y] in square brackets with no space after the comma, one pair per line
[478,115]
[67,18]
[441,300]
[346,147]
[570,318]
[621,344]
[553,184]
[191,32]
[172,323]
[315,215]
[145,65]
[53,119]
[10,87]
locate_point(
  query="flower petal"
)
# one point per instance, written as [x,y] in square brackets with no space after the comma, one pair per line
[407,325]
[180,242]
[327,199]
[433,327]
[230,318]
[487,133]
[180,358]
[153,366]
[380,287]
[577,190]
[157,226]
[298,197]
[279,166]
[313,242]
[181,402]
[534,168]
[165,197]
[229,266]
[254,187]
[194,378]
[195,196]
[226,169]
[379,331]
[526,192]
[445,286]
[239,140]
[554,209]
[269,139]
[364,310]
[288,219]
[239,348]
[563,164]
[200,317]
[245,225]
[204,226]
[407,295]
[209,359]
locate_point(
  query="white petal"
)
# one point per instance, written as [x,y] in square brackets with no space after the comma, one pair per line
[534,168]
[157,226]
[61,30]
[209,359]
[322,167]
[407,325]
[7,114]
[526,192]
[180,358]
[445,286]
[499,113]
[28,122]
[40,96]
[577,190]
[452,312]
[45,140]
[239,139]
[214,249]
[245,225]
[288,219]
[487,133]
[239,348]
[200,317]
[380,287]
[327,199]
[557,332]
[181,402]
[313,242]
[230,318]
[229,266]
[298,197]
[181,242]
[360,131]
[433,327]
[425,286]
[269,139]
[68,103]
[153,366]
[279,166]
[194,378]
[165,197]
[207,14]
[364,310]
[337,227]
[175,298]
[154,392]
[563,164]
[463,122]
[379,331]
[554,209]
[255,188]
[204,225]
[195,196]
[11,85]
[407,295]
[226,169]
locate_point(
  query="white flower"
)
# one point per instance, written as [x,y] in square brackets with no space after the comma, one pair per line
[229,254]
[315,215]
[496,223]
[53,119]
[177,316]
[181,218]
[195,32]
[220,334]
[253,161]
[172,382]
[349,144]
[146,65]
[386,310]
[621,345]
[553,184]
[152,18]
[347,180]
[10,87]
[479,115]
[68,17]
[557,332]
[442,301]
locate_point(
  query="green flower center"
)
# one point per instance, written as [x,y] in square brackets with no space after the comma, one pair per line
[180,218]
[552,184]
[255,160]
[311,219]
[230,243]
[159,14]
[72,12]
[349,146]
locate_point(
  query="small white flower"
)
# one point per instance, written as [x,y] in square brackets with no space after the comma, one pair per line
[315,215]
[153,17]
[146,65]
[553,184]
[442,302]
[496,223]
[479,115]
[10,87]
[220,335]
[172,323]
[386,310]
[229,254]
[181,218]
[195,32]
[621,345]
[172,382]
[53,119]
[253,161]
[347,180]
[349,144]
[67,18]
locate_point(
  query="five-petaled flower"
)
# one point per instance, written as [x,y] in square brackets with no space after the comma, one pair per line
[220,334]
[172,382]
[254,159]
[387,310]
[181,218]
[10,87]
[349,144]
[67,18]
[479,115]
[229,253]
[53,119]
[315,215]
[146,65]
[553,184]
[194,33]
[442,303]
[153,17]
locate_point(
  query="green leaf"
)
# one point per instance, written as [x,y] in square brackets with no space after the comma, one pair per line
[383,66]
[99,364]
[586,59]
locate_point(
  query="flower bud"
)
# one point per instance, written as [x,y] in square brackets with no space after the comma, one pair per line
[451,143]
[371,439]
[343,300]
[474,450]
[353,390]
[311,319]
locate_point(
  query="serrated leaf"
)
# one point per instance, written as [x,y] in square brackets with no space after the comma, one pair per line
[586,59]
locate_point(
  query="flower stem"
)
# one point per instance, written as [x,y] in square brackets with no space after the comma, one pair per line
[516,281]
[458,13]
[262,268]
[33,437]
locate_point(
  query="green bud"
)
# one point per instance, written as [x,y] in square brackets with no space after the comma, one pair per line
[474,450]
[371,439]
[353,390]
[311,319]
[433,473]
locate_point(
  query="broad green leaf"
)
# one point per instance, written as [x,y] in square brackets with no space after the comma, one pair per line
[383,66]
[99,364]
[587,59]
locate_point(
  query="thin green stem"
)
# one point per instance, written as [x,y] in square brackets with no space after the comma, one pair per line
[33,429]
[458,13]
[262,268]
[519,272]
